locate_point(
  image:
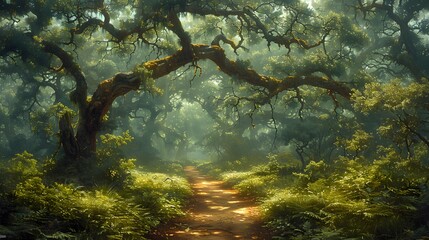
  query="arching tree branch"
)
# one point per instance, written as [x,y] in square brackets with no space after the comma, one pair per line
[80,94]
[119,35]
[216,54]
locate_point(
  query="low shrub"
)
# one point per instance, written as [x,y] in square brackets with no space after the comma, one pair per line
[256,186]
[65,210]
[234,178]
[163,194]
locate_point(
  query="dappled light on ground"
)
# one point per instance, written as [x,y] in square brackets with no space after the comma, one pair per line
[216,213]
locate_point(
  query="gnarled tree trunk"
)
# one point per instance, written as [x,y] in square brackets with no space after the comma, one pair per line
[84,143]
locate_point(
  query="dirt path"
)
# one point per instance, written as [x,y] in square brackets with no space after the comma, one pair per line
[215,213]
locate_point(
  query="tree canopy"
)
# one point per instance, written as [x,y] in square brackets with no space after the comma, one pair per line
[88,53]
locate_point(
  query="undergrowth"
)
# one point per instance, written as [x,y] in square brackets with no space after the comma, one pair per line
[350,198]
[120,201]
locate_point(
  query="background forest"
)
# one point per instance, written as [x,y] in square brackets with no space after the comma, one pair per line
[316,109]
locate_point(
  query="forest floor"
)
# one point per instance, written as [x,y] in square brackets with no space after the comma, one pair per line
[216,212]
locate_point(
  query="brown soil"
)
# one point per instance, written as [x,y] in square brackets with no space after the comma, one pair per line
[216,212]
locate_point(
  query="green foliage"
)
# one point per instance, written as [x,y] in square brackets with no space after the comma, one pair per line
[233,178]
[376,189]
[248,183]
[82,214]
[166,167]
[110,165]
[121,203]
[255,186]
[162,194]
[348,33]
[147,82]
[392,96]
[261,180]
[33,208]
[351,199]
[293,212]
[111,142]
[400,110]
[18,169]
[46,121]
[312,172]
[358,142]
[320,62]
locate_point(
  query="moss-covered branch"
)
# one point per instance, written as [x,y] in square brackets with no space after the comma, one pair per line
[217,55]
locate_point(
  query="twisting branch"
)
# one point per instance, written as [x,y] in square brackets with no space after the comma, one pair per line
[79,95]
[253,22]
[413,59]
[175,25]
[224,39]
[119,35]
[216,54]
[279,39]
[272,84]
[122,83]
[107,91]
[406,122]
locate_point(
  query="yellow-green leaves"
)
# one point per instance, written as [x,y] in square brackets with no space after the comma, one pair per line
[391,96]
[163,194]
[46,121]
[147,82]
[359,141]
[24,164]
[20,168]
[115,140]
[348,33]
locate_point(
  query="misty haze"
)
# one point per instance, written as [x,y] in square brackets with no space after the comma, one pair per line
[214,119]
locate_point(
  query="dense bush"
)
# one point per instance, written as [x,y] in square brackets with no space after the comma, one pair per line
[64,209]
[349,199]
[33,206]
[162,194]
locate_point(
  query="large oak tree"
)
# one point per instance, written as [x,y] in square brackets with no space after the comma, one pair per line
[326,46]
